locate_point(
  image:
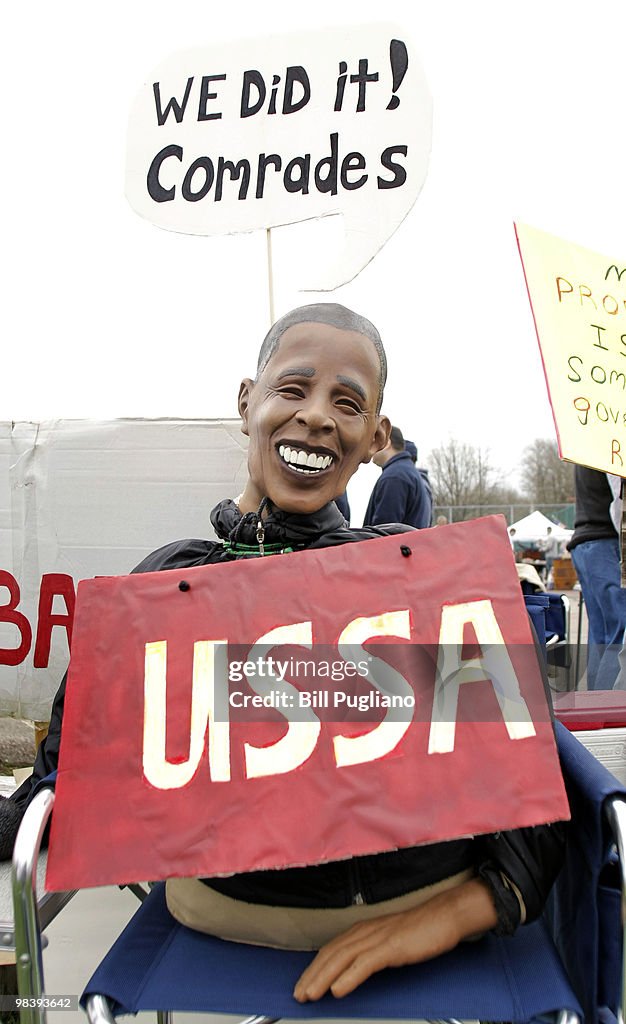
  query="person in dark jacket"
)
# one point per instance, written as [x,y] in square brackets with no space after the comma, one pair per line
[313,416]
[399,496]
[411,448]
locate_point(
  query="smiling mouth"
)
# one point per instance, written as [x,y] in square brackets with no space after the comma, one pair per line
[306,462]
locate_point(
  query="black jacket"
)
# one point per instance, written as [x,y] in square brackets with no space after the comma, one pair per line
[593,503]
[529,857]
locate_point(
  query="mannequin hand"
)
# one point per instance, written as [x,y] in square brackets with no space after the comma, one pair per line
[408,937]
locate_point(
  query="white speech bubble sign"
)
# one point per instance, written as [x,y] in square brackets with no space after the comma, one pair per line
[264,132]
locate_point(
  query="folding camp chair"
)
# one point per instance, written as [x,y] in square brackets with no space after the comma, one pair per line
[550,615]
[586,911]
[32,908]
[558,625]
[158,964]
[49,904]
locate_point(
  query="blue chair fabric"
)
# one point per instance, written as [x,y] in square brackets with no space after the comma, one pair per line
[537,606]
[48,783]
[548,614]
[583,910]
[159,964]
[555,616]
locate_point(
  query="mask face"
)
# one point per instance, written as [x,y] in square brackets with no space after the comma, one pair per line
[311,416]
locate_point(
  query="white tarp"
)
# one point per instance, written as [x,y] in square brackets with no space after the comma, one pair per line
[80,498]
[535,527]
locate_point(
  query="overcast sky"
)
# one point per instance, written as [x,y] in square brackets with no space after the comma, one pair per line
[106,315]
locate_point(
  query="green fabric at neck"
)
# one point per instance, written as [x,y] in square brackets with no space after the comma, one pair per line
[253,549]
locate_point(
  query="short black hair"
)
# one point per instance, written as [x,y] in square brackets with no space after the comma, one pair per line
[396,439]
[334,315]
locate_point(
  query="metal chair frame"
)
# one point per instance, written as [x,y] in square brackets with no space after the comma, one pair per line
[29,934]
[28,921]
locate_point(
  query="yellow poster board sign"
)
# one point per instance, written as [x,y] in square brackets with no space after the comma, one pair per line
[578,299]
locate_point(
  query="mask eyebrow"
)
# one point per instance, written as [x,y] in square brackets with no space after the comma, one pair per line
[297,371]
[353,385]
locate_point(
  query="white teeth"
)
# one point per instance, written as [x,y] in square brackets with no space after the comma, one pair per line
[304,462]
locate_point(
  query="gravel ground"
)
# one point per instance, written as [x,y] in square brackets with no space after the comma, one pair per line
[17,745]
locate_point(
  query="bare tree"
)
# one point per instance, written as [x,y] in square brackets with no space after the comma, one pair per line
[461,474]
[546,478]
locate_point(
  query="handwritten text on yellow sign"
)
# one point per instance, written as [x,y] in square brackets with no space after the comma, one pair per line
[578,299]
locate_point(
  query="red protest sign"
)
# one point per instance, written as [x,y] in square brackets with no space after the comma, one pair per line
[194,744]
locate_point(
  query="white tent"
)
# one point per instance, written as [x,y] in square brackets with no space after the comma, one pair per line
[535,527]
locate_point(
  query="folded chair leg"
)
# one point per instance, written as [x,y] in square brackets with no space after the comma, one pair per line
[98,1012]
[260,1020]
[567,1017]
[137,890]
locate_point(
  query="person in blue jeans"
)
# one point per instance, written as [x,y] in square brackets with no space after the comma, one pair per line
[595,552]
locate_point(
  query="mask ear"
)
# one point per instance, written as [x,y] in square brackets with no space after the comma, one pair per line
[381,437]
[243,403]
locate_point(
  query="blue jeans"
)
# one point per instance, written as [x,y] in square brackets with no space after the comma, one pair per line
[598,566]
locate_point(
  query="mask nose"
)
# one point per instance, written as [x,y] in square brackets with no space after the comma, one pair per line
[315,416]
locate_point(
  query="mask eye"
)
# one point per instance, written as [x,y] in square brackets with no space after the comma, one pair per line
[349,405]
[292,391]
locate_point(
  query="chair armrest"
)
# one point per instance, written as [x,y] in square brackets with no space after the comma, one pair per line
[23,880]
[616,815]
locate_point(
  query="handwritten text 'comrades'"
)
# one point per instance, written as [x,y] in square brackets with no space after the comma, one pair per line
[299,174]
[274,131]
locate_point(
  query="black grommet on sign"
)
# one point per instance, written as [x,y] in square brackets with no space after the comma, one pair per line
[183,585]
[405,549]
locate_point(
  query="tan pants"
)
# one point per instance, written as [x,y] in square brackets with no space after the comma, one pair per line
[198,906]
